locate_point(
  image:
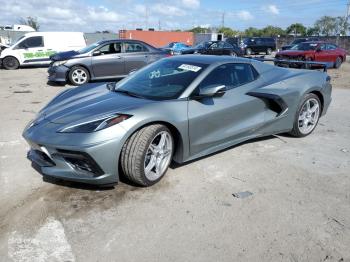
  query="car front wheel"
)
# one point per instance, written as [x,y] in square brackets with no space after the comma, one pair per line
[10,63]
[78,76]
[147,154]
[307,116]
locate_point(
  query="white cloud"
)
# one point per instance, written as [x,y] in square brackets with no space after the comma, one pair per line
[193,4]
[273,9]
[245,15]
[167,10]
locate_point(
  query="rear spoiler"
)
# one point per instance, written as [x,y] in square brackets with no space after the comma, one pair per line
[321,65]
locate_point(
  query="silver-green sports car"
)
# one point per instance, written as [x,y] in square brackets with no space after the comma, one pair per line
[176,109]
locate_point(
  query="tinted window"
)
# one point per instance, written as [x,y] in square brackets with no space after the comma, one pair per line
[230,75]
[164,79]
[304,46]
[323,47]
[36,41]
[227,45]
[331,47]
[113,48]
[131,47]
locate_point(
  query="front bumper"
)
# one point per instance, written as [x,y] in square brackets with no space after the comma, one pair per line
[66,156]
[58,73]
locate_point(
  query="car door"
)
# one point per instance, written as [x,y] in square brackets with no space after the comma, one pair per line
[322,54]
[108,61]
[216,122]
[136,55]
[32,50]
[332,52]
[215,49]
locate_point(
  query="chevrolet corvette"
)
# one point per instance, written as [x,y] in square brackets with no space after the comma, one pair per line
[176,109]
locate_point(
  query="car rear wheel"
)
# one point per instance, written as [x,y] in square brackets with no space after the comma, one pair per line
[269,51]
[10,63]
[338,62]
[79,75]
[307,116]
[147,154]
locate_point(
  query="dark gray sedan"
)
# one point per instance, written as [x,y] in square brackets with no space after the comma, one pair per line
[102,60]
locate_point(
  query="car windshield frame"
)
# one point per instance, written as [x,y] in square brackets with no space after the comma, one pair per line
[89,48]
[305,46]
[151,81]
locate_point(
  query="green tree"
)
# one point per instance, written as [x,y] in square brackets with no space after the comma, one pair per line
[30,21]
[199,29]
[342,26]
[272,31]
[228,32]
[252,31]
[296,29]
[312,31]
[326,25]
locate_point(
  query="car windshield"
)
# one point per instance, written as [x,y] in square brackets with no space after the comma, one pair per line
[304,46]
[89,48]
[19,39]
[162,80]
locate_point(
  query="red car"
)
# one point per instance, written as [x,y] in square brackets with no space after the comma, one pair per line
[314,51]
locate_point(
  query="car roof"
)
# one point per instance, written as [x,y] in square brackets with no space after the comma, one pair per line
[210,59]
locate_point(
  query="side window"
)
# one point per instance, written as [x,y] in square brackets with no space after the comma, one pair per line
[31,42]
[230,75]
[331,47]
[323,47]
[113,48]
[131,47]
[227,45]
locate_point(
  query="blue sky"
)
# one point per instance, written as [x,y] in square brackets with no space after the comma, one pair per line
[89,16]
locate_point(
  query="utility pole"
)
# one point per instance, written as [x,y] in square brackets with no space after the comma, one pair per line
[146,17]
[223,20]
[347,16]
[159,27]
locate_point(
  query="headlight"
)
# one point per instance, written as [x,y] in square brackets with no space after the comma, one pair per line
[95,125]
[58,63]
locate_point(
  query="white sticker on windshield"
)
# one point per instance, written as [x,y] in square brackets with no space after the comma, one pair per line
[313,44]
[190,67]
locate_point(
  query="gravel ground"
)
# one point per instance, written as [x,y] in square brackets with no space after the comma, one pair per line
[299,210]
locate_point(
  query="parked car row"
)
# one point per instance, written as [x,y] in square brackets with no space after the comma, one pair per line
[118,58]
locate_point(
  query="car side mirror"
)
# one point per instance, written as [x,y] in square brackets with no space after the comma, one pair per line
[211,91]
[96,53]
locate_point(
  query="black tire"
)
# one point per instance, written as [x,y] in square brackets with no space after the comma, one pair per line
[296,132]
[10,63]
[234,54]
[76,80]
[248,51]
[338,62]
[269,51]
[134,153]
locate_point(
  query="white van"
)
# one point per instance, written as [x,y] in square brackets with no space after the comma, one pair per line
[35,48]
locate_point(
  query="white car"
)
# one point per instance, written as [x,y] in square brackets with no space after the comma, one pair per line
[35,48]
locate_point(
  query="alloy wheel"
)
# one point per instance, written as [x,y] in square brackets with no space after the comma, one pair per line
[158,156]
[79,76]
[308,116]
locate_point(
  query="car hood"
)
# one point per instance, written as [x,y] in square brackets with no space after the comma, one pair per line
[86,102]
[65,55]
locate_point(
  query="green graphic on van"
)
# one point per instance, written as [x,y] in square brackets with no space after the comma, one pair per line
[38,54]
